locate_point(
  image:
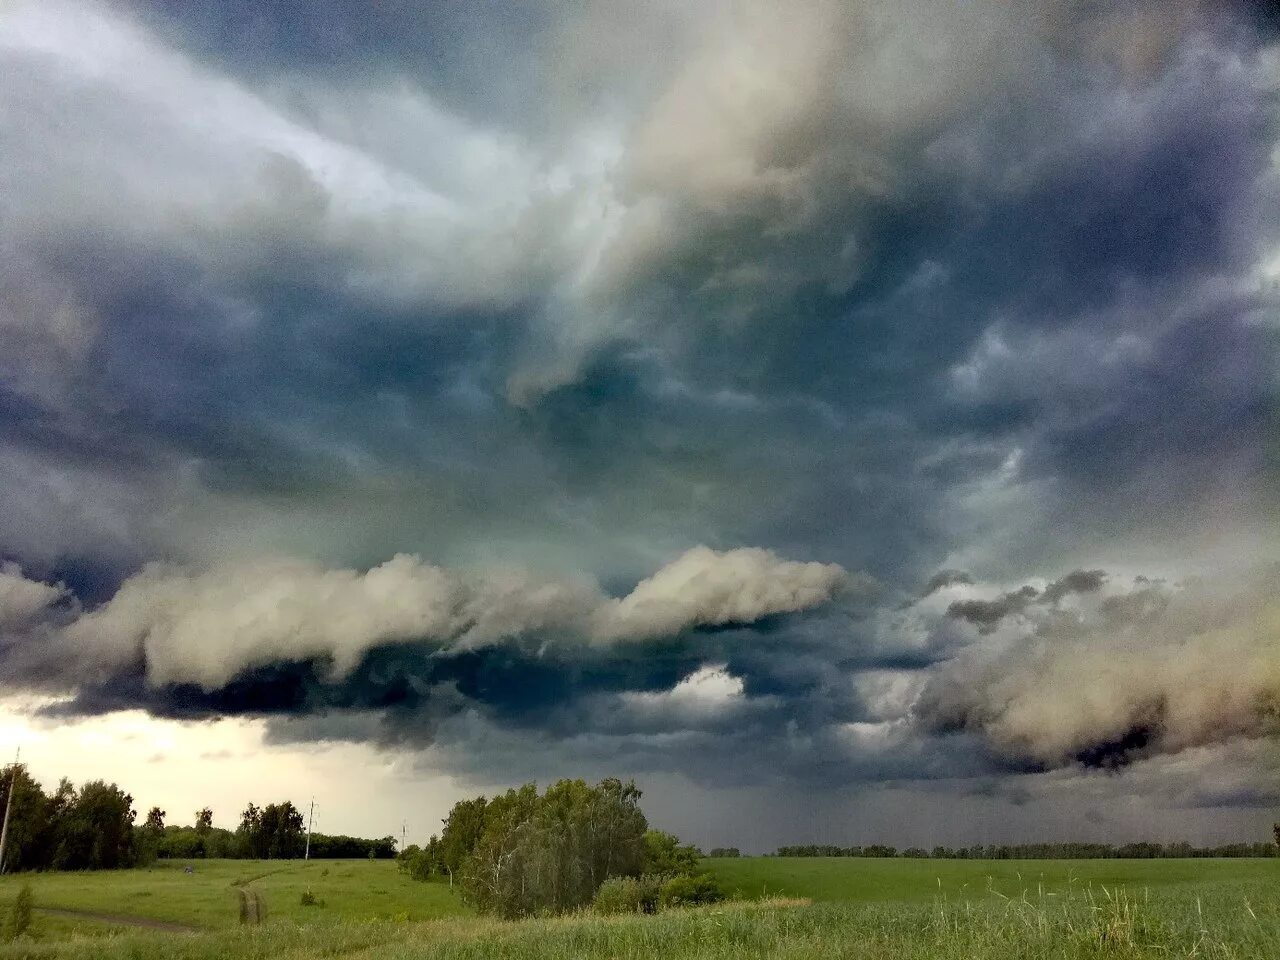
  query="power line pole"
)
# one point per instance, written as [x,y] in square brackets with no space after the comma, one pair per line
[310,816]
[8,805]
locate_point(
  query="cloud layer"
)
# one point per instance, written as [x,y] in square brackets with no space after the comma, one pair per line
[534,299]
[1148,671]
[208,628]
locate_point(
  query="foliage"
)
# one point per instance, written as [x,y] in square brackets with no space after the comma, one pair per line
[29,839]
[423,863]
[273,832]
[723,852]
[628,895]
[545,853]
[326,846]
[204,820]
[690,890]
[92,829]
[665,856]
[155,820]
[462,830]
[19,918]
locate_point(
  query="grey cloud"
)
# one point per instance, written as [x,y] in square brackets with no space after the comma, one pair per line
[987,614]
[1078,581]
[945,578]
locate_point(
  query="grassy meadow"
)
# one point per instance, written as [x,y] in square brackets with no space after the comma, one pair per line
[207,898]
[902,880]
[861,908]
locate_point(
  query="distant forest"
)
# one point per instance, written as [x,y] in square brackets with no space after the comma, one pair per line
[94,828]
[1040,851]
[573,836]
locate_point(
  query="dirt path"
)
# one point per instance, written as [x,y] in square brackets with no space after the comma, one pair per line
[118,920]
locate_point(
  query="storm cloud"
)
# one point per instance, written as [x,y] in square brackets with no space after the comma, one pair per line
[1151,670]
[209,628]
[873,391]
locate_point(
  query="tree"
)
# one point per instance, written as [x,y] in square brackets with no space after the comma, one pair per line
[27,836]
[664,855]
[204,821]
[544,854]
[273,832]
[250,831]
[155,820]
[94,827]
[1275,829]
[462,830]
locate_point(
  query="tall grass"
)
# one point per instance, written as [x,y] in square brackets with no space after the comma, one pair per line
[1222,924]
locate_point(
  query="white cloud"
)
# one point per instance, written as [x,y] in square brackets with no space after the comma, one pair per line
[23,602]
[709,690]
[1152,670]
[706,588]
[205,628]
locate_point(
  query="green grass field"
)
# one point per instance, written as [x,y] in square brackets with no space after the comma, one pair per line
[880,881]
[207,898]
[932,910]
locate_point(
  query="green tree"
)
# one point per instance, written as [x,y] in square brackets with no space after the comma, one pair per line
[26,845]
[94,827]
[665,856]
[548,853]
[273,832]
[204,821]
[462,830]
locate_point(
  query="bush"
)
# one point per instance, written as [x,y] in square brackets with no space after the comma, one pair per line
[309,899]
[19,918]
[618,895]
[628,895]
[691,889]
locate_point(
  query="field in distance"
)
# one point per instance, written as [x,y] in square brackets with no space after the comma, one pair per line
[888,880]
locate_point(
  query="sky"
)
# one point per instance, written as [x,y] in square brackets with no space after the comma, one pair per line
[856,421]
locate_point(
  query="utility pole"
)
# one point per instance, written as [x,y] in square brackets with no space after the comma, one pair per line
[8,805]
[310,816]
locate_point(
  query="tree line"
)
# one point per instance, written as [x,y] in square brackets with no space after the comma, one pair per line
[94,828]
[1041,851]
[523,852]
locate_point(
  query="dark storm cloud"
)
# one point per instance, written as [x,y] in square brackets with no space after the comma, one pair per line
[945,578]
[987,614]
[493,285]
[1077,581]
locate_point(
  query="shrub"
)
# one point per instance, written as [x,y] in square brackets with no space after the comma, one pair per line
[19,918]
[309,899]
[618,895]
[628,895]
[691,889]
